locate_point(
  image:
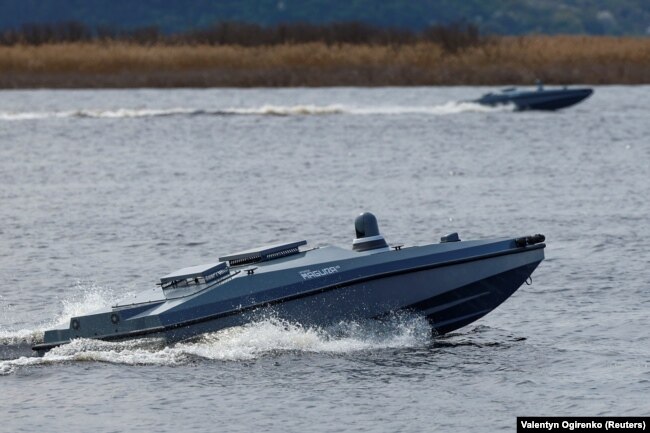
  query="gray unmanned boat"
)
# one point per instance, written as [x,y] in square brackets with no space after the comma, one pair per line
[539,99]
[452,283]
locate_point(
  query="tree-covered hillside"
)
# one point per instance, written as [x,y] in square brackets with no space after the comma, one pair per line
[616,17]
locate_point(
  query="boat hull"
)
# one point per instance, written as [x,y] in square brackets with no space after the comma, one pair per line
[450,294]
[547,100]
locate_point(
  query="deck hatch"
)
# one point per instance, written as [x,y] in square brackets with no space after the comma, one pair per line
[198,274]
[260,254]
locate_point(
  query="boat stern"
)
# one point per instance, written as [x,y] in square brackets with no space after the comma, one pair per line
[52,338]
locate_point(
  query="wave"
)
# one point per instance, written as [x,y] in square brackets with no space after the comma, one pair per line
[86,298]
[451,107]
[265,337]
[265,110]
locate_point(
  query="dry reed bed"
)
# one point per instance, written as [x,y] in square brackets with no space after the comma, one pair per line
[507,60]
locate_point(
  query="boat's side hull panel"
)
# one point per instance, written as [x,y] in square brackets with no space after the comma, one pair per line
[545,100]
[450,297]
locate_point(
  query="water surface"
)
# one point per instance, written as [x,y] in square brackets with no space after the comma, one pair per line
[103,192]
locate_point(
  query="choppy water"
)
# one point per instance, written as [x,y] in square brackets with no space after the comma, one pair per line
[101,192]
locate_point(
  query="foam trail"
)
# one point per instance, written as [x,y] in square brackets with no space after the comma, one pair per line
[17,342]
[265,110]
[265,337]
[295,110]
[85,299]
[35,115]
[451,107]
[126,113]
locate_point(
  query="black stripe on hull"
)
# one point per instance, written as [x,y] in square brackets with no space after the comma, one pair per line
[550,105]
[466,304]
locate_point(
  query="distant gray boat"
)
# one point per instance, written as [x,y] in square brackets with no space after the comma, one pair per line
[539,99]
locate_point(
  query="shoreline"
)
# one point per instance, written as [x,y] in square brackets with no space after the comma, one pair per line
[556,60]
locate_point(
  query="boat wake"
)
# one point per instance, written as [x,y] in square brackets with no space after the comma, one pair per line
[265,110]
[17,341]
[262,338]
[266,337]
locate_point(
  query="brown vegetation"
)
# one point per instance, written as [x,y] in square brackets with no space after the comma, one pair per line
[494,61]
[452,37]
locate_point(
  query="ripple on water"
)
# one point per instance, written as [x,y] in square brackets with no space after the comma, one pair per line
[261,338]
